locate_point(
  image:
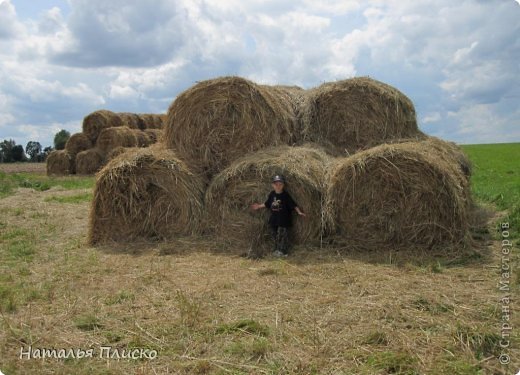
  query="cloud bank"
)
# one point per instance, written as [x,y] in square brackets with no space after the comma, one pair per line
[458,62]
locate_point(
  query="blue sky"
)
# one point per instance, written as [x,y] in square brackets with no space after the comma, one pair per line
[459,62]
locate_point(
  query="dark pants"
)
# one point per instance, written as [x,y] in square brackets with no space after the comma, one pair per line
[281,238]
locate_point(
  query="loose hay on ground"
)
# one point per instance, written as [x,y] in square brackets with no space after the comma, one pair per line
[248,180]
[60,163]
[145,193]
[397,195]
[216,121]
[89,161]
[357,113]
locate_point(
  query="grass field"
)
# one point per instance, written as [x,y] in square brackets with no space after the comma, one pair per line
[319,311]
[496,178]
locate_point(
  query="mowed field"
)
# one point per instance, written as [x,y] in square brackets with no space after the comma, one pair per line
[201,310]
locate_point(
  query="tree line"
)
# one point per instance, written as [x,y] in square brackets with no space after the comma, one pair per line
[10,152]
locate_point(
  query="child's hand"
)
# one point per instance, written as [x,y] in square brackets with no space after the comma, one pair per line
[302,214]
[256,206]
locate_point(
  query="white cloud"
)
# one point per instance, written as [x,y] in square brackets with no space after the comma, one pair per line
[9,25]
[332,7]
[120,33]
[123,92]
[431,117]
[45,133]
[460,58]
[51,22]
[481,123]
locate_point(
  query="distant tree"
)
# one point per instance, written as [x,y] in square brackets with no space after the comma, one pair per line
[60,139]
[34,150]
[18,153]
[6,150]
[46,151]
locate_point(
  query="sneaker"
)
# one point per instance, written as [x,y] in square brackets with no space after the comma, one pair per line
[279,254]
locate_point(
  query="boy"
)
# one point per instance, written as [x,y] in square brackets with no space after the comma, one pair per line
[281,205]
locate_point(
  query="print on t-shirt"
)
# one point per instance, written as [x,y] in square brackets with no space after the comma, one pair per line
[276,205]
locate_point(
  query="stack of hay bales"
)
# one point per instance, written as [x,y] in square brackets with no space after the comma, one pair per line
[103,132]
[351,151]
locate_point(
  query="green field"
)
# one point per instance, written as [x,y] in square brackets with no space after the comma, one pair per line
[207,312]
[9,182]
[496,178]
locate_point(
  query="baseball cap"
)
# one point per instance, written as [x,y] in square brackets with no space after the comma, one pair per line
[278,178]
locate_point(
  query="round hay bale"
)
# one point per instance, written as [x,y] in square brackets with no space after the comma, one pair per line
[111,138]
[60,163]
[292,99]
[451,153]
[95,122]
[76,143]
[216,121]
[143,138]
[154,134]
[397,195]
[164,119]
[89,161]
[151,121]
[248,180]
[357,113]
[145,193]
[116,152]
[130,120]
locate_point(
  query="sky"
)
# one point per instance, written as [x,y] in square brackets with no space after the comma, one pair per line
[458,61]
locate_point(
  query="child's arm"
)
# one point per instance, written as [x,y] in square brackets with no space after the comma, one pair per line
[257,206]
[298,211]
[267,204]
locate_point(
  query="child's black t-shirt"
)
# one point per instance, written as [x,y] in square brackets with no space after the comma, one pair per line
[281,207]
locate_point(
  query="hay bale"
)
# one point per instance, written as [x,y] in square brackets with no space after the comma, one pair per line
[154,134]
[116,152]
[96,121]
[60,163]
[292,99]
[151,121]
[357,113]
[216,121]
[130,120]
[397,195]
[111,138]
[145,193]
[143,139]
[248,180]
[76,143]
[451,153]
[89,161]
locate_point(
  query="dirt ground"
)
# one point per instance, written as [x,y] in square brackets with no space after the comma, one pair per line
[37,168]
[320,311]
